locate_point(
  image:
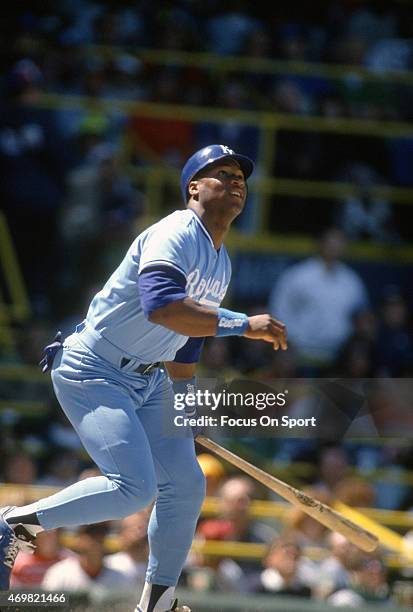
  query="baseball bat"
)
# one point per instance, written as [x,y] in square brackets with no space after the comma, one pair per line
[316,509]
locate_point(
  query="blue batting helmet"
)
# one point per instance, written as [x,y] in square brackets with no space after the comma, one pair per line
[209,155]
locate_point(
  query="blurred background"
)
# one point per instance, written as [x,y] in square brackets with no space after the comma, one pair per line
[101,104]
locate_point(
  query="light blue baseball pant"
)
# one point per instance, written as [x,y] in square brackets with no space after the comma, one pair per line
[119,419]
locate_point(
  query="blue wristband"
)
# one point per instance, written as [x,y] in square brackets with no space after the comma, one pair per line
[231,323]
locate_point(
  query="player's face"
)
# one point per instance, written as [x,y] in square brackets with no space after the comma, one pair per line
[223,183]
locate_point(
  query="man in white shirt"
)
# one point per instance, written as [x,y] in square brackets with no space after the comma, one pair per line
[317,299]
[86,572]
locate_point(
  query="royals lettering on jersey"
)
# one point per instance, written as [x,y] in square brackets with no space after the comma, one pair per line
[181,241]
[209,291]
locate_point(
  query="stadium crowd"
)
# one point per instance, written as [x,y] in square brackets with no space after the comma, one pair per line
[76,192]
[109,559]
[72,208]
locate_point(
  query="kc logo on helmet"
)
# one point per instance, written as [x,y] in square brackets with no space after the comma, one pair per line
[226,150]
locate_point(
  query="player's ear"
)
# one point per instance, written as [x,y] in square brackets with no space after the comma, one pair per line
[193,189]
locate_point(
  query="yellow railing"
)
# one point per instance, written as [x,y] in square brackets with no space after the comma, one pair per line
[16,308]
[260,119]
[268,124]
[153,179]
[259,508]
[255,65]
[19,308]
[237,550]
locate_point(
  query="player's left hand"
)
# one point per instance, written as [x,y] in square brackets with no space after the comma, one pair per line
[49,352]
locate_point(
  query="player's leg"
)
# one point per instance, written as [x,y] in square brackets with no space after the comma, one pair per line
[104,416]
[181,491]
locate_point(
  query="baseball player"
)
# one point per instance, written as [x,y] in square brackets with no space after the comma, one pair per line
[138,345]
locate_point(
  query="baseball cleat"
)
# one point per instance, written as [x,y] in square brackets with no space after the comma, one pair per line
[11,542]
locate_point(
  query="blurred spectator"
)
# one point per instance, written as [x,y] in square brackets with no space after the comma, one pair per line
[369,584]
[332,467]
[101,197]
[356,357]
[236,524]
[287,97]
[87,571]
[335,570]
[296,44]
[356,492]
[101,202]
[125,82]
[371,22]
[19,468]
[213,471]
[132,558]
[117,26]
[389,54]
[316,299]
[394,346]
[389,406]
[282,573]
[228,30]
[62,469]
[29,569]
[364,214]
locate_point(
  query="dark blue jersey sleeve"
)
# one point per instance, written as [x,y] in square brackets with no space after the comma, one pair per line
[191,351]
[160,286]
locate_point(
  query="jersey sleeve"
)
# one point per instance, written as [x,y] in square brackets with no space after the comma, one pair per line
[167,246]
[159,286]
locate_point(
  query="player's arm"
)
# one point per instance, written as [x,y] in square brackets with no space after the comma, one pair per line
[188,317]
[164,300]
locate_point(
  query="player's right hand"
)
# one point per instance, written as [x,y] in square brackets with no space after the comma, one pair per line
[265,327]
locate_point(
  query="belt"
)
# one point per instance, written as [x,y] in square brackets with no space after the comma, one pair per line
[105,349]
[143,368]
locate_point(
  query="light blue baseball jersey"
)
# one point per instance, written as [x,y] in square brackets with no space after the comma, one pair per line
[182,242]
